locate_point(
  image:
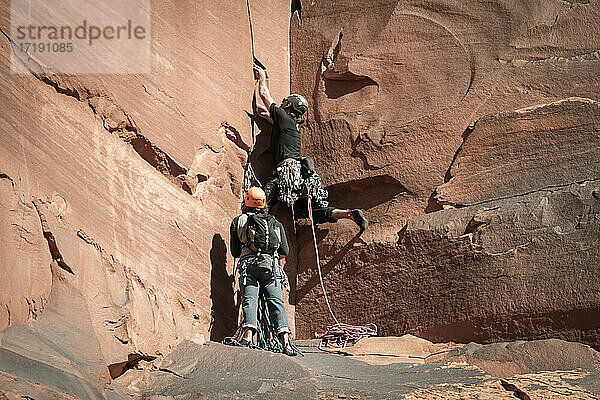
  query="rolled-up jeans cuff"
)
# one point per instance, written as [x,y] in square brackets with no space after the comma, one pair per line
[249,326]
[283,329]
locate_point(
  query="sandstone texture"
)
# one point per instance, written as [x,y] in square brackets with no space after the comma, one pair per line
[469,132]
[122,187]
[213,370]
[218,371]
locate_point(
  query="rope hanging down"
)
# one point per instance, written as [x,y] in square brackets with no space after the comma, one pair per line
[312,226]
[251,28]
[250,179]
[339,334]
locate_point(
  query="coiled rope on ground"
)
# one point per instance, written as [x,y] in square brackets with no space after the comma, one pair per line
[338,335]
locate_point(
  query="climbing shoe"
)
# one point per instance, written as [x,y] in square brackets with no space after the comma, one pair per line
[244,343]
[289,351]
[359,218]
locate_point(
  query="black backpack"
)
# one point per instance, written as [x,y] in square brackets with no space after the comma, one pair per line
[263,233]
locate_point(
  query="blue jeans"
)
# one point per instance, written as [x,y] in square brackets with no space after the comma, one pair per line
[272,289]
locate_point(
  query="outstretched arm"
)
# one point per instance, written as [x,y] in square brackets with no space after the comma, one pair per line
[262,111]
[263,90]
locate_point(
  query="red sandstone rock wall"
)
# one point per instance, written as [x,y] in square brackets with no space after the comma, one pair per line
[418,106]
[116,191]
[122,187]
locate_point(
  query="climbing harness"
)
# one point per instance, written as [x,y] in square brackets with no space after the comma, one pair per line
[312,187]
[339,334]
[294,184]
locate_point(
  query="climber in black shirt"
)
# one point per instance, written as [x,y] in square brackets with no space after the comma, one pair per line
[285,137]
[294,176]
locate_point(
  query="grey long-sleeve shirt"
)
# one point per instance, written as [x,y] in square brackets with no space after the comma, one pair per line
[235,244]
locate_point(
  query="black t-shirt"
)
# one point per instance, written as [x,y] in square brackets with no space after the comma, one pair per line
[285,136]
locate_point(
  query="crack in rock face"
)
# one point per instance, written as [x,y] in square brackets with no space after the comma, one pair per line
[52,246]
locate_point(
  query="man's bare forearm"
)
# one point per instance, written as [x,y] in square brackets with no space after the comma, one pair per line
[265,95]
[262,111]
[263,90]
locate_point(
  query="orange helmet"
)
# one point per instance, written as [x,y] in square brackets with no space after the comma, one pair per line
[255,197]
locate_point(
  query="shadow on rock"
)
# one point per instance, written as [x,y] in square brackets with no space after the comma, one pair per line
[223,309]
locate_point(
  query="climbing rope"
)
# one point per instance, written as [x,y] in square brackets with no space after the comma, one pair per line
[312,226]
[250,178]
[251,28]
[339,334]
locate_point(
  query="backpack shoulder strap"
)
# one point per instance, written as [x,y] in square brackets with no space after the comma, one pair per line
[276,228]
[242,229]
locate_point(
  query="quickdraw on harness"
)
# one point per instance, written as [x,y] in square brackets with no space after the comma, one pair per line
[339,334]
[250,178]
[312,187]
[294,184]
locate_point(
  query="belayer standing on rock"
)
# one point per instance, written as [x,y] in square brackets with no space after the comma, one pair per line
[258,239]
[294,176]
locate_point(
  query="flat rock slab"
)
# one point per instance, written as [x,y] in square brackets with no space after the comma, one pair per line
[404,349]
[521,357]
[343,377]
[218,371]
